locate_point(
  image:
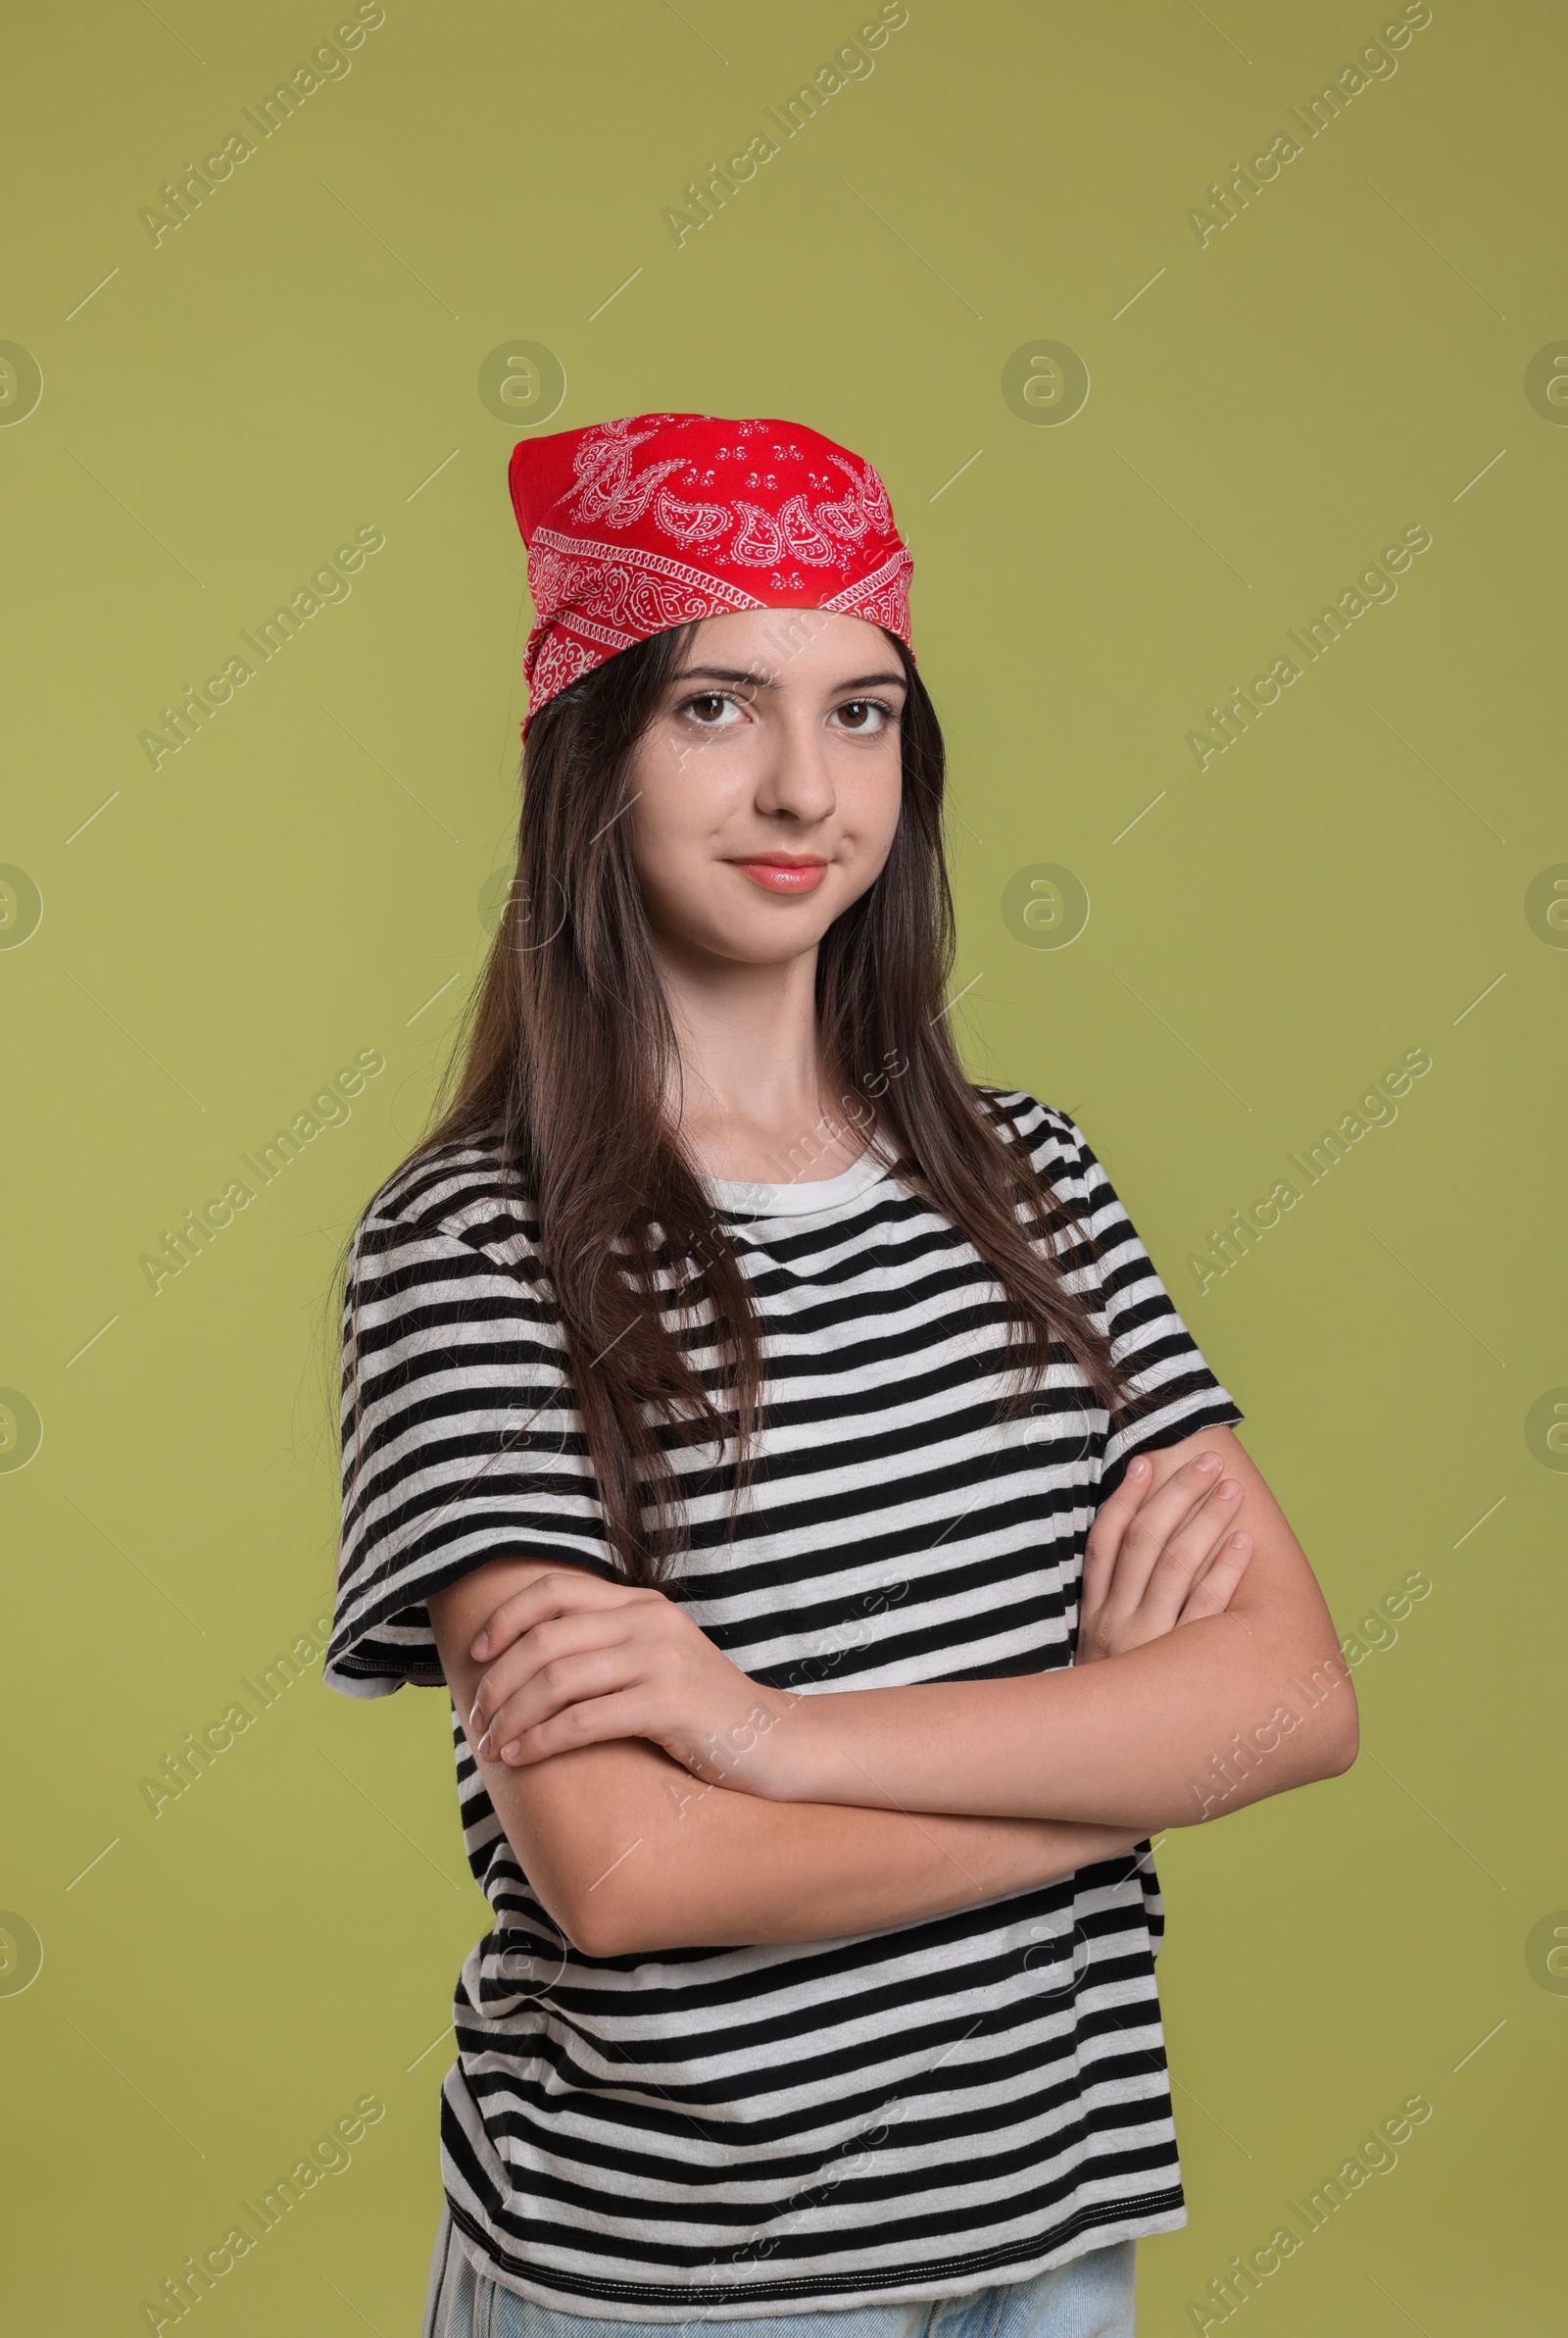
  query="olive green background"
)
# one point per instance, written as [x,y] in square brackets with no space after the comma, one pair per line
[1266,410]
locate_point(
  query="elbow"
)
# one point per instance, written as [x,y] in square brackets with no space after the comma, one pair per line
[587,1937]
[1336,1733]
[597,1920]
[589,1927]
[588,1889]
[1317,1715]
[597,1902]
[1346,1742]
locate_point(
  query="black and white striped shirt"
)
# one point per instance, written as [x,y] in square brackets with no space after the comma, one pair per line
[904,2115]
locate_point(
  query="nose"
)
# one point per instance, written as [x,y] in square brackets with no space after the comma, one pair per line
[796,780]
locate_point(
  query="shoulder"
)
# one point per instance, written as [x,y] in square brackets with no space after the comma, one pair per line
[1084,1210]
[448,1204]
[1055,1144]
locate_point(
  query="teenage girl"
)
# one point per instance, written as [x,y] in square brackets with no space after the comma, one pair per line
[839,1553]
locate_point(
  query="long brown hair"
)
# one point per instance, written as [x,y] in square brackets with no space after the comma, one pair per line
[565,1061]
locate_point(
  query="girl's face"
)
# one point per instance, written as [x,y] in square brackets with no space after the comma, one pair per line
[765,795]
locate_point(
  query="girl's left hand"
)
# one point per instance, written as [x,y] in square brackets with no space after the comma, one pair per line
[574,1660]
[1159,1556]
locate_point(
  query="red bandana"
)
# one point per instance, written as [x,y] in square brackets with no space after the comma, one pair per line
[637,526]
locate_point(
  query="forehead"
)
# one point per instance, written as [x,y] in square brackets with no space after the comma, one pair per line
[793,645]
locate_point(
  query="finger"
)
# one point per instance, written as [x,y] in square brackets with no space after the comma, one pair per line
[1211,1594]
[1201,1571]
[1110,1525]
[1118,1506]
[1138,1485]
[1214,1589]
[558,1593]
[573,1681]
[563,1591]
[1156,1518]
[592,1722]
[1187,1554]
[539,1645]
[1166,1505]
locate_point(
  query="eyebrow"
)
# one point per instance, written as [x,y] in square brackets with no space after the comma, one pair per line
[761,681]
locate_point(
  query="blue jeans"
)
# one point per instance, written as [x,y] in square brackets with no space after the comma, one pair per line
[1089,2298]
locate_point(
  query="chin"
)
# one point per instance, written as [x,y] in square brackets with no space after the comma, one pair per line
[792,928]
[790,938]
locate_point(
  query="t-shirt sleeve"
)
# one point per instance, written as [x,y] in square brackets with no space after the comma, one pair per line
[1117,1280]
[461,1441]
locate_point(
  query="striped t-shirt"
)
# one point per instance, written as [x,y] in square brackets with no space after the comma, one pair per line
[902,2115]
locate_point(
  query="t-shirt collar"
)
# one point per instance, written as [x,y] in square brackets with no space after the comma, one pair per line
[803,1197]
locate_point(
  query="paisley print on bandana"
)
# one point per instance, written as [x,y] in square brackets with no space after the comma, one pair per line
[637,526]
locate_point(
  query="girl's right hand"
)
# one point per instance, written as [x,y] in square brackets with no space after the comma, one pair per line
[1159,1556]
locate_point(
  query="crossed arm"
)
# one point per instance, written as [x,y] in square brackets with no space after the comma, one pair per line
[656,1797]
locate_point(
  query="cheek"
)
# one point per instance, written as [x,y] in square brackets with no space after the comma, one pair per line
[674,819]
[874,808]
[674,873]
[675,837]
[870,792]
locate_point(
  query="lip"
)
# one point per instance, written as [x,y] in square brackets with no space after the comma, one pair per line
[786,873]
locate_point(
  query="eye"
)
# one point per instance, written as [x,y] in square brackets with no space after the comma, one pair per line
[705,708]
[866,716]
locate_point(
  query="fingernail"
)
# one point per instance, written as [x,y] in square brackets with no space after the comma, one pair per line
[1136,1468]
[1206,1462]
[510,1753]
[483,1745]
[1229,1490]
[481,1646]
[1239,1542]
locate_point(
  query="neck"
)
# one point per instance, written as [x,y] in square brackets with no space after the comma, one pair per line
[755,1100]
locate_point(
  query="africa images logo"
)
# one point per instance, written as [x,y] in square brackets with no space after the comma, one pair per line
[198,1229]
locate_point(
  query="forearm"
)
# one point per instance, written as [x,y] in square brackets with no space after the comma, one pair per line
[1219,1713]
[630,1854]
[662,1862]
[1207,1674]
